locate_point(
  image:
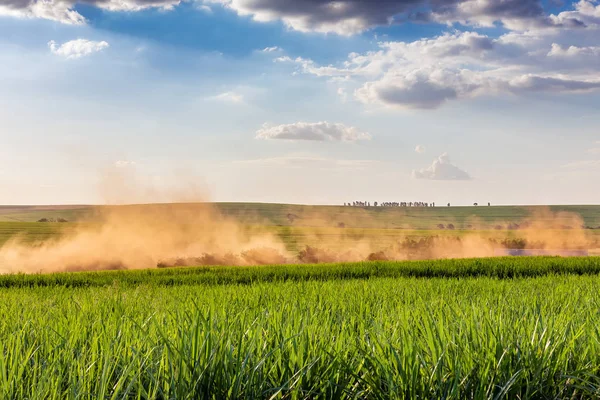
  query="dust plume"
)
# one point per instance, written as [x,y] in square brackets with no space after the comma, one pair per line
[542,232]
[143,236]
[183,229]
[197,233]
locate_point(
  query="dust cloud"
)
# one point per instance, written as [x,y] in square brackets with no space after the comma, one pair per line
[197,233]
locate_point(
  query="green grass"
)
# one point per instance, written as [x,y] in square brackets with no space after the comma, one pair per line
[485,329]
[498,328]
[35,213]
[32,232]
[500,268]
[331,216]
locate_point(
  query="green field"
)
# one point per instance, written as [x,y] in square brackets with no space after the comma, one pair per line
[487,329]
[331,216]
[482,328]
[328,226]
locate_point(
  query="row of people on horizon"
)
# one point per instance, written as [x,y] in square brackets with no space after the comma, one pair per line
[395,204]
[390,204]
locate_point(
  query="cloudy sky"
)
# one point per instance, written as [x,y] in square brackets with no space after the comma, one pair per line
[301,101]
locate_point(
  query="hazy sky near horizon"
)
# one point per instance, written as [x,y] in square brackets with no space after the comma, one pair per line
[300,101]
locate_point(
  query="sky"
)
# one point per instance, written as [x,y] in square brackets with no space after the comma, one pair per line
[300,101]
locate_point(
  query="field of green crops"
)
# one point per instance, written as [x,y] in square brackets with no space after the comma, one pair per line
[496,328]
[332,216]
[481,328]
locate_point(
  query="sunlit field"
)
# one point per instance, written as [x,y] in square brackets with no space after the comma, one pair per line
[483,328]
[494,328]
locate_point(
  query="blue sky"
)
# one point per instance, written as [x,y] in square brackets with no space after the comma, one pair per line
[307,101]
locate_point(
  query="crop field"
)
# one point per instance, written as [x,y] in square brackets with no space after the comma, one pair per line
[501,328]
[298,226]
[452,328]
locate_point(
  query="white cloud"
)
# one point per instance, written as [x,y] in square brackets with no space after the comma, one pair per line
[520,15]
[427,73]
[348,17]
[573,51]
[310,67]
[343,17]
[77,48]
[205,8]
[229,97]
[341,92]
[442,169]
[271,49]
[418,89]
[64,10]
[317,131]
[586,13]
[420,149]
[45,9]
[548,84]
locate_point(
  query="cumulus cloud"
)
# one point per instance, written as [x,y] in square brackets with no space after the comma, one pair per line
[317,131]
[64,10]
[418,89]
[573,51]
[428,73]
[344,17]
[347,17]
[549,84]
[59,11]
[420,149]
[512,14]
[442,169]
[77,48]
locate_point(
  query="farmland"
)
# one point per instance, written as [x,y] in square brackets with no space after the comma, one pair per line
[484,328]
[493,328]
[330,216]
[298,226]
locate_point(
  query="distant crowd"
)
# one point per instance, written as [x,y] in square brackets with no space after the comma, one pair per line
[396,204]
[390,204]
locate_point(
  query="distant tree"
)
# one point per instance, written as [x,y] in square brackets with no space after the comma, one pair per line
[475,204]
[43,220]
[375,204]
[448,204]
[441,226]
[450,226]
